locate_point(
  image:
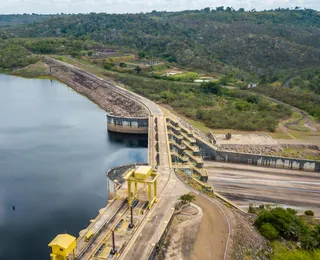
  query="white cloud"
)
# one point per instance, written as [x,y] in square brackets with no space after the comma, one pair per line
[134,6]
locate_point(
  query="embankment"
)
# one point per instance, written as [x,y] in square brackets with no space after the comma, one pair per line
[102,92]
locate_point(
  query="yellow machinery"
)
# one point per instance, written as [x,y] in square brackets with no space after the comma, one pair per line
[144,175]
[88,235]
[62,246]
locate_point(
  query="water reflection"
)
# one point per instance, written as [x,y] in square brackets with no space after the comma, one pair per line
[54,153]
[130,140]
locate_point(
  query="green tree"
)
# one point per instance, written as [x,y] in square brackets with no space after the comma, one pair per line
[141,55]
[309,213]
[211,87]
[123,64]
[108,66]
[137,69]
[187,198]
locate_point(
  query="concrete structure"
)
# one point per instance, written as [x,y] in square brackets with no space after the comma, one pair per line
[210,152]
[141,241]
[142,175]
[185,154]
[128,125]
[62,246]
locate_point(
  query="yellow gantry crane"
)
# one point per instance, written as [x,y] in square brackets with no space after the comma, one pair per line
[143,175]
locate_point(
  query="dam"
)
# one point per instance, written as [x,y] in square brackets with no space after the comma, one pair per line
[136,220]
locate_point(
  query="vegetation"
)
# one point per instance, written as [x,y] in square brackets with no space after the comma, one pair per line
[238,47]
[309,213]
[14,19]
[290,251]
[305,100]
[263,43]
[291,236]
[14,56]
[187,198]
[308,80]
[210,103]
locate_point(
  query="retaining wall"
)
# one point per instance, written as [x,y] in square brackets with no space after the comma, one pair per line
[209,153]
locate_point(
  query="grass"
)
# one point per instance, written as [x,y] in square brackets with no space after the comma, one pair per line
[298,153]
[291,252]
[278,134]
[37,70]
[4,71]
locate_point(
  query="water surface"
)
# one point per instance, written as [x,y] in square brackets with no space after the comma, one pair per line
[54,152]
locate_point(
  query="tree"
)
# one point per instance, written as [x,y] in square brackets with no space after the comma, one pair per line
[137,69]
[309,213]
[211,87]
[220,8]
[241,10]
[108,66]
[141,55]
[122,64]
[187,198]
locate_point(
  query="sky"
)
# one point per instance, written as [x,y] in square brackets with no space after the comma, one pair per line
[136,6]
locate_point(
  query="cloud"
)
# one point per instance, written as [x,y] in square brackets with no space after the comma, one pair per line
[136,6]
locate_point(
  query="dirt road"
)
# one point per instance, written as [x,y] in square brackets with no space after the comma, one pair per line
[246,184]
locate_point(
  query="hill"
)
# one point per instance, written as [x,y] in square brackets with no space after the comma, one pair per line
[265,43]
[16,19]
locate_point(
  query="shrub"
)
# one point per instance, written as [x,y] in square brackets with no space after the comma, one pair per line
[251,209]
[108,66]
[309,213]
[286,222]
[122,64]
[269,231]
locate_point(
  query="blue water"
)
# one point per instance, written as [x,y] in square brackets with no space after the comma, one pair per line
[54,153]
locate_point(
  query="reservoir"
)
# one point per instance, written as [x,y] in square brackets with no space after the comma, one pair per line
[54,154]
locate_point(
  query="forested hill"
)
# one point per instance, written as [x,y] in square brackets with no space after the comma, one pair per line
[265,43]
[15,19]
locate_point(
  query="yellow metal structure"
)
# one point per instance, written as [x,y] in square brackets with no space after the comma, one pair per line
[62,246]
[144,175]
[88,235]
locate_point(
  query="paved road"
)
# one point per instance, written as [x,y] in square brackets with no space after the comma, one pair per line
[304,116]
[246,184]
[170,190]
[213,232]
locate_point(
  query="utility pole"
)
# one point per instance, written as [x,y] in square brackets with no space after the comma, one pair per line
[113,250]
[131,225]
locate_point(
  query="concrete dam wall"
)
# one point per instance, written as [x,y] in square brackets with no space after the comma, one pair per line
[209,153]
